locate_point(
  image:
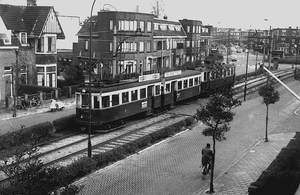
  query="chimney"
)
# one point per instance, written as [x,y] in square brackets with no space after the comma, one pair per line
[165,17]
[137,9]
[31,3]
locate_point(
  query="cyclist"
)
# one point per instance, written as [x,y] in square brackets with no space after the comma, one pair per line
[207,155]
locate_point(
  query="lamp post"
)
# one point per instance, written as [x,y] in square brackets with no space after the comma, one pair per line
[246,78]
[90,80]
[296,47]
[227,61]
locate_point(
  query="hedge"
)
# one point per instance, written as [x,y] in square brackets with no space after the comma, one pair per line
[26,135]
[283,174]
[64,123]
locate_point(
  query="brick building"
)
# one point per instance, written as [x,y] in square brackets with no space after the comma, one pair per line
[28,53]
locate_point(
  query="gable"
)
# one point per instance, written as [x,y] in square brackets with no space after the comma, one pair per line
[52,25]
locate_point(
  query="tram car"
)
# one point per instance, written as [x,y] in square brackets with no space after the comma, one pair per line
[149,94]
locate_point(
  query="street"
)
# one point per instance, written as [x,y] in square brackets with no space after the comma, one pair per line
[172,166]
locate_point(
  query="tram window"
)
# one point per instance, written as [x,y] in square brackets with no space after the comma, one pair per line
[77,100]
[105,101]
[185,84]
[115,99]
[125,97]
[142,93]
[168,90]
[134,95]
[190,82]
[157,89]
[96,102]
[85,100]
[196,80]
[179,85]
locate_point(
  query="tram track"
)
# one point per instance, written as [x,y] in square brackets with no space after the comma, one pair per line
[61,152]
[64,150]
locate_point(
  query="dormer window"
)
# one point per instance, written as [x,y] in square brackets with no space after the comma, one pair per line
[23,38]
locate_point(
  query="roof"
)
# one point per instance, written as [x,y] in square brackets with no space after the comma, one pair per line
[31,19]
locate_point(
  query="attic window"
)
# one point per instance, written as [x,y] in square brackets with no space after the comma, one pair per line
[23,37]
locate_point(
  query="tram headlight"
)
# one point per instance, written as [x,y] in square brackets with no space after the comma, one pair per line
[82,116]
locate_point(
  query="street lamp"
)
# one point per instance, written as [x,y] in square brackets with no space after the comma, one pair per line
[90,80]
[246,78]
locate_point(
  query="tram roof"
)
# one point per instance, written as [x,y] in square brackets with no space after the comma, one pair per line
[97,87]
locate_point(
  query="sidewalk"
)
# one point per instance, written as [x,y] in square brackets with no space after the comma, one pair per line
[7,113]
[237,178]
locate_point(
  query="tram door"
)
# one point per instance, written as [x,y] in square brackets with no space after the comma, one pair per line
[150,99]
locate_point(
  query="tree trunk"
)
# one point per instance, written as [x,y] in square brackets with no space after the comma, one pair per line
[211,187]
[267,118]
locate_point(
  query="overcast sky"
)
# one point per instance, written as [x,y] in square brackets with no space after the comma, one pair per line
[222,13]
[243,14]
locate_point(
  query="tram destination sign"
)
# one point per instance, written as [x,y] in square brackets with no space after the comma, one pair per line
[149,77]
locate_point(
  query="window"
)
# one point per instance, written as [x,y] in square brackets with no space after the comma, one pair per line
[190,82]
[188,44]
[142,93]
[179,85]
[23,38]
[86,45]
[40,69]
[188,29]
[125,97]
[115,99]
[40,45]
[51,44]
[142,26]
[148,46]
[141,46]
[110,46]
[105,101]
[157,89]
[85,101]
[77,100]
[134,95]
[149,26]
[185,84]
[111,25]
[96,102]
[196,80]
[168,89]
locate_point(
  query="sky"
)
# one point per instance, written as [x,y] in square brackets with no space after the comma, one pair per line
[245,14]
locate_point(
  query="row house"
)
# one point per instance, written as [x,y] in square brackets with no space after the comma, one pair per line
[193,40]
[129,43]
[286,40]
[28,54]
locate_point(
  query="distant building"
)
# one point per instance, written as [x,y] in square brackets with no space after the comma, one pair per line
[130,43]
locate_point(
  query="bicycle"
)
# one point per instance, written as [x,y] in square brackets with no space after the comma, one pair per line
[205,170]
[36,103]
[21,104]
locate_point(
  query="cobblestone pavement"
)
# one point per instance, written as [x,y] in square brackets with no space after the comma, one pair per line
[237,178]
[172,167]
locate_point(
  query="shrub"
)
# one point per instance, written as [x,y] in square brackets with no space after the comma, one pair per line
[64,123]
[80,167]
[283,174]
[31,135]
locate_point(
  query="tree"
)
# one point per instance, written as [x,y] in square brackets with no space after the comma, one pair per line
[157,8]
[217,115]
[270,96]
[73,75]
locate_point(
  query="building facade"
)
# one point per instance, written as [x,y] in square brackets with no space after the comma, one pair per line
[28,37]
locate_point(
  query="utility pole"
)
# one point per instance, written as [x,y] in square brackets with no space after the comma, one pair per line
[270,54]
[227,61]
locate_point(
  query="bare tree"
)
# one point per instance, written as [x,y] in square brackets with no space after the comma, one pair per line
[158,8]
